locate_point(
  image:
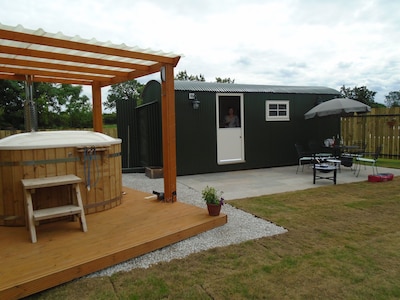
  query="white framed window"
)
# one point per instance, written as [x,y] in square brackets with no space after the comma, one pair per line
[276,110]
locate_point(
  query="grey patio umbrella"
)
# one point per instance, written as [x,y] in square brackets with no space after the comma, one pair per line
[339,107]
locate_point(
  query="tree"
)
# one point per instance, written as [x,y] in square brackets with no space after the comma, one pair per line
[182,75]
[11,102]
[49,103]
[62,105]
[361,94]
[129,91]
[77,107]
[224,80]
[57,105]
[110,118]
[393,99]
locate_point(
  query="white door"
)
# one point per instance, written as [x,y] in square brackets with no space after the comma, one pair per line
[230,129]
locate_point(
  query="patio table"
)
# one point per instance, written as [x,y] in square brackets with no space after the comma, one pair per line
[324,168]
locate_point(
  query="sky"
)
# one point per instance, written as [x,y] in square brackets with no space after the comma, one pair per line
[273,42]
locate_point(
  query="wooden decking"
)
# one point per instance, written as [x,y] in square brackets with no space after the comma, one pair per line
[63,252]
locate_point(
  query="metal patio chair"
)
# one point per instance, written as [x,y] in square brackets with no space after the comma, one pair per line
[303,157]
[368,161]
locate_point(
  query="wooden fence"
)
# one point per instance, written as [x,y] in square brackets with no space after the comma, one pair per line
[380,127]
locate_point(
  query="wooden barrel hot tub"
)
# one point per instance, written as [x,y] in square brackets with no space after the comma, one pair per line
[93,156]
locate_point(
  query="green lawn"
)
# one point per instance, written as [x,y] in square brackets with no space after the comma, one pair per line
[343,242]
[389,163]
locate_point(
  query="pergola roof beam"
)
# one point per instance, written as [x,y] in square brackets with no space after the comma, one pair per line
[86,47]
[57,66]
[70,58]
[54,73]
[80,61]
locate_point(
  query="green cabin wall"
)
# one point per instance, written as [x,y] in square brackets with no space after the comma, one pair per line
[267,144]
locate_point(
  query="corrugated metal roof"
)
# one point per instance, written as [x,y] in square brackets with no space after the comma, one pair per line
[55,57]
[200,86]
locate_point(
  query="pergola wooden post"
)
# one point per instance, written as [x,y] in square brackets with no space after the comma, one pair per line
[97,108]
[168,133]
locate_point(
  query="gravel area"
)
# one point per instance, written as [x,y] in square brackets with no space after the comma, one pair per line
[241,227]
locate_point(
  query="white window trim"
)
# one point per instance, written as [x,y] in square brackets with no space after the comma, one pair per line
[277,118]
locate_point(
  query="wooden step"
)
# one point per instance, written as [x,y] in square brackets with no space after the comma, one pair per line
[36,183]
[55,212]
[33,216]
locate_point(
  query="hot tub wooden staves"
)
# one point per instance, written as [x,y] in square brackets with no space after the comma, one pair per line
[99,167]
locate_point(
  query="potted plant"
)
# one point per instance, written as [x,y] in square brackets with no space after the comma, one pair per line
[213,200]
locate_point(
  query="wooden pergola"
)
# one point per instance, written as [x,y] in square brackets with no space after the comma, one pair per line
[56,58]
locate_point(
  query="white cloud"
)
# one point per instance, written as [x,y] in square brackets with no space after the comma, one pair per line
[286,42]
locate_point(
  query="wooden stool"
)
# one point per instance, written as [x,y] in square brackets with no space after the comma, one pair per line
[34,216]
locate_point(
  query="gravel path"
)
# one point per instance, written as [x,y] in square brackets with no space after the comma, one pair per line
[241,227]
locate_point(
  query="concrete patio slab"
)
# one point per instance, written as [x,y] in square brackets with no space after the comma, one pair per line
[256,182]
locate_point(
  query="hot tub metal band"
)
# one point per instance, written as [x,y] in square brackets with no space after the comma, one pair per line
[48,161]
[103,203]
[38,162]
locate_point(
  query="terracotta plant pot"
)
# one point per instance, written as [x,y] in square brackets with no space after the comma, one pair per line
[213,209]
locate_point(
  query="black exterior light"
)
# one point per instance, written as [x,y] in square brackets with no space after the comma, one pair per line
[195,102]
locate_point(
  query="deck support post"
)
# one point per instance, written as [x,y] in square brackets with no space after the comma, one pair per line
[168,132]
[97,108]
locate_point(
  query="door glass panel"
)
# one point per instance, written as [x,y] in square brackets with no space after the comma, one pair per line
[229,112]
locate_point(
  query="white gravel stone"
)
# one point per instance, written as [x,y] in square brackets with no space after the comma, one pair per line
[241,227]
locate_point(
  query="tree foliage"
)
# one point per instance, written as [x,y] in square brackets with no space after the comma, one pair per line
[182,75]
[77,107]
[361,94]
[12,96]
[57,105]
[110,118]
[129,91]
[224,80]
[393,99]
